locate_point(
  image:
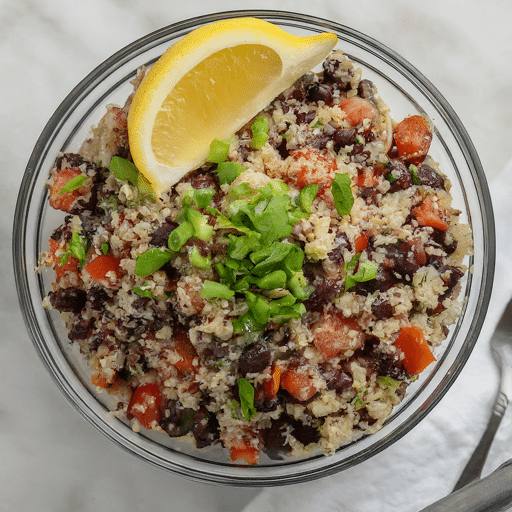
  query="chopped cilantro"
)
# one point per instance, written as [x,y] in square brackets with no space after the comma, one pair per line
[366,271]
[219,150]
[246,394]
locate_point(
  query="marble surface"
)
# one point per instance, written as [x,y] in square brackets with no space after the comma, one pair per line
[51,459]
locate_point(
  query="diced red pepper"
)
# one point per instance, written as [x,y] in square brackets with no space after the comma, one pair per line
[145,404]
[244,451]
[272,384]
[417,354]
[99,269]
[299,383]
[360,242]
[185,349]
[427,216]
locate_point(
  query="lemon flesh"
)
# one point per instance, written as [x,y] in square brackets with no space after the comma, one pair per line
[207,86]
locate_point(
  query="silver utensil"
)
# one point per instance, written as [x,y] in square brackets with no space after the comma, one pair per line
[490,494]
[501,345]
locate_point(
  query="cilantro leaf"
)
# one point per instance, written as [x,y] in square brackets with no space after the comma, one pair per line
[342,194]
[73,184]
[366,271]
[246,394]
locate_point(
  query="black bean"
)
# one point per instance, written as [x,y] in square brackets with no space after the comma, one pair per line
[160,237]
[429,177]
[401,259]
[325,290]
[81,329]
[97,296]
[274,438]
[305,117]
[366,90]
[359,155]
[320,92]
[68,299]
[255,358]
[337,379]
[364,416]
[204,180]
[344,137]
[305,434]
[177,420]
[403,177]
[337,255]
[381,308]
[205,429]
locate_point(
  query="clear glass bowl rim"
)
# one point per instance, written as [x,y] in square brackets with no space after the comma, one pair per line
[195,471]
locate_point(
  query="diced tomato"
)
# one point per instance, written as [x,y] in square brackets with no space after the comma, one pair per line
[417,354]
[71,264]
[360,242]
[145,404]
[358,109]
[413,137]
[63,201]
[272,384]
[314,167]
[299,383]
[244,451]
[99,267]
[333,335]
[426,215]
[185,350]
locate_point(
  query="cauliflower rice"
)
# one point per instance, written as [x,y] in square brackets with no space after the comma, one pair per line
[279,300]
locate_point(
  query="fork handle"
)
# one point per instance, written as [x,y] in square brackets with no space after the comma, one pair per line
[473,469]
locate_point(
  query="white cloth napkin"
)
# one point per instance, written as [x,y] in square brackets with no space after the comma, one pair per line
[424,465]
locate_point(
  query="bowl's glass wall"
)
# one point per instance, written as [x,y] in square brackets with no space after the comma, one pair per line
[406,91]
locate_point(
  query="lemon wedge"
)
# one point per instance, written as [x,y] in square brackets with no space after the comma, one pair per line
[207,86]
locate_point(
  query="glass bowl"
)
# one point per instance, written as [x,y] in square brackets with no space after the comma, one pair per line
[407,92]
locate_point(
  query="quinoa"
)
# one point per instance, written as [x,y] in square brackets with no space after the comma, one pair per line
[310,362]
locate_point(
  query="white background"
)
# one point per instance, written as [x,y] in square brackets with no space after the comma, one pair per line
[50,458]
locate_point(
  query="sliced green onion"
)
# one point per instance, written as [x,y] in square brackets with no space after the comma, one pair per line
[142,291]
[180,235]
[78,247]
[268,258]
[259,130]
[198,260]
[212,289]
[342,193]
[73,184]
[415,178]
[219,150]
[202,229]
[299,286]
[151,261]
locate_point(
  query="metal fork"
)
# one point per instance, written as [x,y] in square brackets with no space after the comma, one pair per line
[501,345]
